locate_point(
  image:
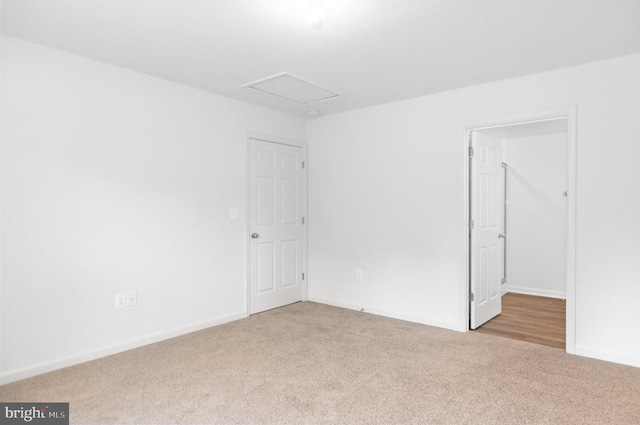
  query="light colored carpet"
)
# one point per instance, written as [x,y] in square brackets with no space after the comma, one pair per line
[309,363]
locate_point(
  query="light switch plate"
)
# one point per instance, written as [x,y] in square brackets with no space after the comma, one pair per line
[233,213]
[120,300]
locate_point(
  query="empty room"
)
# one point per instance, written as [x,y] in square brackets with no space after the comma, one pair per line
[320,212]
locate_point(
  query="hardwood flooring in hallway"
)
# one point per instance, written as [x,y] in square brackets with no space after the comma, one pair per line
[540,320]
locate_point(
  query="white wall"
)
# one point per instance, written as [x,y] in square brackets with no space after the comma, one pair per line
[536,216]
[1,144]
[114,181]
[387,195]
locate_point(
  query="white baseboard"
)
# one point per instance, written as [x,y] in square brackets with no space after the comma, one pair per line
[74,359]
[537,292]
[608,356]
[387,313]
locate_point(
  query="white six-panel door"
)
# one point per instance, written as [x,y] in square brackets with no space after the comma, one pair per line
[276,236]
[486,218]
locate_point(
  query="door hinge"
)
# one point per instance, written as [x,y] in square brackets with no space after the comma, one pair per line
[471,296]
[302,164]
[471,224]
[471,151]
[302,276]
[302,220]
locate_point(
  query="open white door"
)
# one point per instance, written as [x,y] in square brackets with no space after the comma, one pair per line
[486,201]
[276,247]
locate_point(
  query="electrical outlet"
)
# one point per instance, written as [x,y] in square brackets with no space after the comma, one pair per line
[132,299]
[120,300]
[359,274]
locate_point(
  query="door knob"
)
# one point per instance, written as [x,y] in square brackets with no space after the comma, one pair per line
[255,235]
[502,235]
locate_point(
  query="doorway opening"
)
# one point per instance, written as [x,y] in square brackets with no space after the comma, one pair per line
[521,221]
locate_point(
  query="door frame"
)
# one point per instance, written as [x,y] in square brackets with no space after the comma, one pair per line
[279,141]
[570,114]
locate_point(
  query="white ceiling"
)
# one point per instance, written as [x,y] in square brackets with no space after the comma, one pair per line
[371,51]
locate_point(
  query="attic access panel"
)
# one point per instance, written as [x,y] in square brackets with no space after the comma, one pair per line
[294,89]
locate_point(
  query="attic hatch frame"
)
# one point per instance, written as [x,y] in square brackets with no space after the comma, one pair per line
[330,95]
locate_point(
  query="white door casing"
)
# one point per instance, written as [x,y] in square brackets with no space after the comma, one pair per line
[275,225]
[486,200]
[570,113]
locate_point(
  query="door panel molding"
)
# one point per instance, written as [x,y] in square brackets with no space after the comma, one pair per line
[285,163]
[485,214]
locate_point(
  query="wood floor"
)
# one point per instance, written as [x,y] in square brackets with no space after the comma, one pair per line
[529,318]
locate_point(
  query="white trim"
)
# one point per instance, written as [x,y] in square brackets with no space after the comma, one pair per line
[608,356]
[522,118]
[74,359]
[281,141]
[275,139]
[570,114]
[537,292]
[388,313]
[336,96]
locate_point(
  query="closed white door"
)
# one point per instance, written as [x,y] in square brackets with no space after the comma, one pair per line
[485,228]
[276,235]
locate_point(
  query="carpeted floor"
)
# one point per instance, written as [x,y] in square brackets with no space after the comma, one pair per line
[309,363]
